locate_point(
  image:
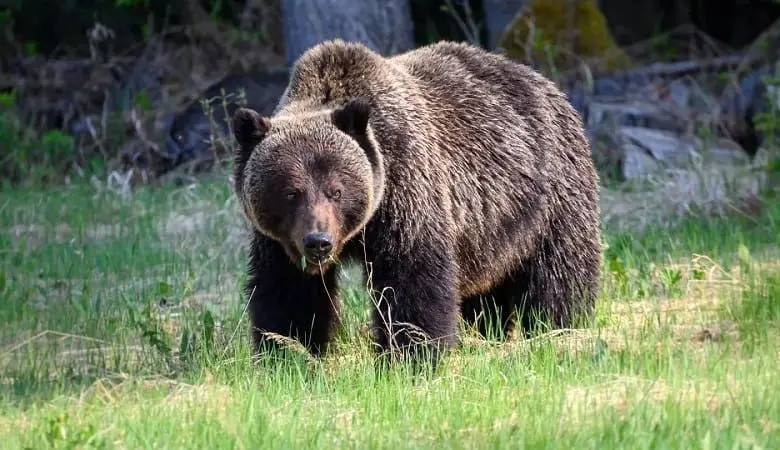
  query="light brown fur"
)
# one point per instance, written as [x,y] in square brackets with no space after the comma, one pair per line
[482,172]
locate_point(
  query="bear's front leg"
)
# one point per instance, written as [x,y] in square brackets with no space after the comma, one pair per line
[285,300]
[414,298]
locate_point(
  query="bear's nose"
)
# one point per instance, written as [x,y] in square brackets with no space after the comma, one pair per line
[317,245]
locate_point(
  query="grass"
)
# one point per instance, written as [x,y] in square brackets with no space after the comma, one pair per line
[123,328]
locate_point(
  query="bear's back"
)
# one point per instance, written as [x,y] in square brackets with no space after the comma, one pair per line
[488,144]
[508,140]
[450,73]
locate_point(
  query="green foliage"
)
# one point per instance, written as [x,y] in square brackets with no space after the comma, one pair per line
[132,3]
[7,101]
[31,47]
[142,101]
[27,157]
[768,122]
[61,433]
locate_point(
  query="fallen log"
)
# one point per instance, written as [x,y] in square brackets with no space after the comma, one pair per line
[669,69]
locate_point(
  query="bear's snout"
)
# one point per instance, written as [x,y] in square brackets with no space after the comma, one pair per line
[317,246]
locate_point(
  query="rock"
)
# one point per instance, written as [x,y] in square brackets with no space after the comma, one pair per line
[635,123]
[608,116]
[640,121]
[191,131]
[671,105]
[575,29]
[679,94]
[617,89]
[636,161]
[660,145]
[685,96]
[743,102]
[645,150]
[724,151]
[621,85]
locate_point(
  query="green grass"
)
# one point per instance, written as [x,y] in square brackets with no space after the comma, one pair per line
[122,327]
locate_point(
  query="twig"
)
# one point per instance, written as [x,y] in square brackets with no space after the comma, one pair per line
[773,32]
[679,68]
[469,27]
[247,15]
[60,335]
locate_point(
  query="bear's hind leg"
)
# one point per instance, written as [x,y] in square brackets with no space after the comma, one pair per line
[492,314]
[286,301]
[561,278]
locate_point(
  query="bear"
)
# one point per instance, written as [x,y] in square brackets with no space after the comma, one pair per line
[460,180]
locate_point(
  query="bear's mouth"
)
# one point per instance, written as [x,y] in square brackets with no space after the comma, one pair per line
[310,265]
[316,267]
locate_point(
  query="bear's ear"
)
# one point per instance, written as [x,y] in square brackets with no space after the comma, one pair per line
[249,127]
[352,117]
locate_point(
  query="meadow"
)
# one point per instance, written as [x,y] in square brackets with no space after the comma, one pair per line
[123,326]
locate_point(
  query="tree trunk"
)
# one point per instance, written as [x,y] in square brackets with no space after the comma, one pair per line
[498,15]
[382,25]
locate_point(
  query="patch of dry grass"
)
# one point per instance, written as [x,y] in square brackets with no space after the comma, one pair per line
[624,393]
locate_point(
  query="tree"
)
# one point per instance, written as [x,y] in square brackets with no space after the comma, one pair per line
[498,15]
[382,25]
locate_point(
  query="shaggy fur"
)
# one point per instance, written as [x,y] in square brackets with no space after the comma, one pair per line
[461,179]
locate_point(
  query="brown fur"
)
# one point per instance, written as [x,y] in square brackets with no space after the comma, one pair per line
[469,176]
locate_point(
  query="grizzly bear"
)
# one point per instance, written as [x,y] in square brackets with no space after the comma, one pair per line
[461,181]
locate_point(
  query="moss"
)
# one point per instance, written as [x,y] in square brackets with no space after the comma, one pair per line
[557,34]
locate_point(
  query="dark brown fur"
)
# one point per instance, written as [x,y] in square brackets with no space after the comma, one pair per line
[466,184]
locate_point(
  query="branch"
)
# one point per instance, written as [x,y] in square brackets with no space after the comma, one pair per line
[469,27]
[674,69]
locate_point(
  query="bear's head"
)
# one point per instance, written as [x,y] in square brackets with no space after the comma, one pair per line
[310,181]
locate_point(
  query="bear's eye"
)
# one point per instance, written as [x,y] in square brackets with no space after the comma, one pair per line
[291,195]
[335,194]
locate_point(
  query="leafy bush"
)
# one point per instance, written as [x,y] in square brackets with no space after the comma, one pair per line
[27,157]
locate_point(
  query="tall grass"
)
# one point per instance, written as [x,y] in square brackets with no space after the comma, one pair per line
[123,327]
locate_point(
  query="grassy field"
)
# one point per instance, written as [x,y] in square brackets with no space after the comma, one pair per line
[123,327]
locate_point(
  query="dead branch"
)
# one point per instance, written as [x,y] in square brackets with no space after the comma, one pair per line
[674,69]
[467,24]
[753,52]
[681,68]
